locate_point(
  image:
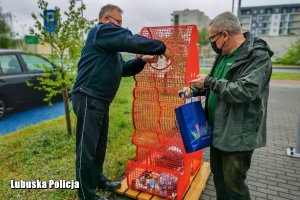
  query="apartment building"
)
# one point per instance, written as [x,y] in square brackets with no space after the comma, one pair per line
[187,16]
[272,20]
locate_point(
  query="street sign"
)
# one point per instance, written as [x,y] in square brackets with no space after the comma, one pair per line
[50,20]
[31,39]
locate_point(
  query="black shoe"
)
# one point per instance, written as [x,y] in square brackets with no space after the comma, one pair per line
[100,198]
[110,185]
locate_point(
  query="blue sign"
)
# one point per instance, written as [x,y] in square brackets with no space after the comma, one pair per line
[50,20]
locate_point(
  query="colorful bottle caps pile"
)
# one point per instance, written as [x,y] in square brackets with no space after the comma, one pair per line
[161,184]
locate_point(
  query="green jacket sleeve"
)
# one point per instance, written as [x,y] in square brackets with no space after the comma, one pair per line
[248,84]
[198,92]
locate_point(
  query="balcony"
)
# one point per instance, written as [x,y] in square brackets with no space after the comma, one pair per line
[245,19]
[294,17]
[264,18]
[294,25]
[293,31]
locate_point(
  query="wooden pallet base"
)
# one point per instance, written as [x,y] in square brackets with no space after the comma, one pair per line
[194,191]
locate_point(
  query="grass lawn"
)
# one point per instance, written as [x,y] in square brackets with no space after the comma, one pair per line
[285,76]
[275,75]
[44,152]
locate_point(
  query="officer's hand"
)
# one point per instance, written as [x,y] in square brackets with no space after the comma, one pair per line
[150,58]
[167,54]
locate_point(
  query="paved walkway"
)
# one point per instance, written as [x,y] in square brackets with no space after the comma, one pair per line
[274,175]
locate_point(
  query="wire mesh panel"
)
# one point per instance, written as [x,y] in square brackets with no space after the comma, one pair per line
[162,166]
[152,179]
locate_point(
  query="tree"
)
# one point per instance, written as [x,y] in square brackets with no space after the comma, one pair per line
[66,41]
[292,56]
[6,33]
[203,37]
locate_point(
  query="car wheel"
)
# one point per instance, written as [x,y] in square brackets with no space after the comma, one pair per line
[2,108]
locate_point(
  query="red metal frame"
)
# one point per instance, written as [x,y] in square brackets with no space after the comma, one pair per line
[160,150]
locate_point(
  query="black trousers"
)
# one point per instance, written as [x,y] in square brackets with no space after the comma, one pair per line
[91,139]
[229,173]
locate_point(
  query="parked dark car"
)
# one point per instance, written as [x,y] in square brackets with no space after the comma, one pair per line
[17,67]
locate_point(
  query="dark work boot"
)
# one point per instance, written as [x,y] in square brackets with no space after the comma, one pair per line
[110,185]
[100,198]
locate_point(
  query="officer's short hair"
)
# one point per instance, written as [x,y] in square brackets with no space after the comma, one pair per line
[108,8]
[226,22]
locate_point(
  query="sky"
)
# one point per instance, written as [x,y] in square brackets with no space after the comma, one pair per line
[136,13]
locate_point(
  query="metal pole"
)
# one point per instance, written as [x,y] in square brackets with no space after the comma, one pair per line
[298,139]
[239,9]
[81,1]
[232,6]
[295,152]
[82,18]
[81,9]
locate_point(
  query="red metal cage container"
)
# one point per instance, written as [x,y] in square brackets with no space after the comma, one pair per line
[162,166]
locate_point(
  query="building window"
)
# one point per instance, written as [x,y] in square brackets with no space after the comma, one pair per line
[269,10]
[285,10]
[264,18]
[293,9]
[176,20]
[277,10]
[254,18]
[245,12]
[260,25]
[253,25]
[282,32]
[254,11]
[282,24]
[261,11]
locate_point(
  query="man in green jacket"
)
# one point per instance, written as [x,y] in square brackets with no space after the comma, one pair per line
[237,91]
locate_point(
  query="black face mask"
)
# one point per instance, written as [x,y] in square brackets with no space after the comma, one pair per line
[215,48]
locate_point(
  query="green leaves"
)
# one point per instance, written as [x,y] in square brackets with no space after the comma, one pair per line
[292,56]
[6,33]
[66,41]
[203,37]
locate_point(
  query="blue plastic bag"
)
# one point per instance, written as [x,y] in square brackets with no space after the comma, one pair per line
[195,131]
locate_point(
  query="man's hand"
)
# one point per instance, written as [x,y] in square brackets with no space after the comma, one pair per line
[199,82]
[185,93]
[150,58]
